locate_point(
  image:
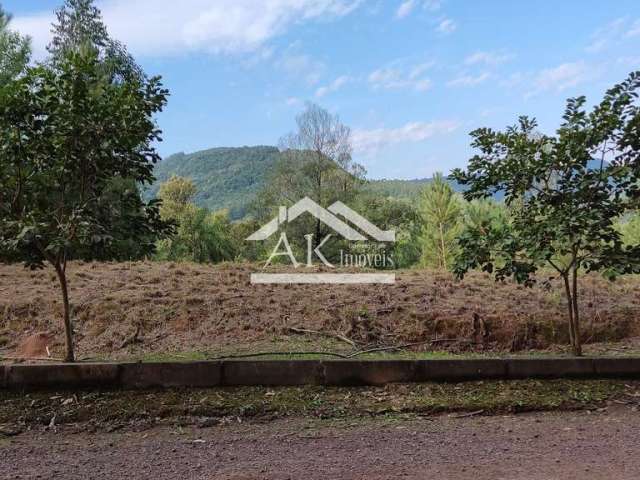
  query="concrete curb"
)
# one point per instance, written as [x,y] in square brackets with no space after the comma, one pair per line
[306,372]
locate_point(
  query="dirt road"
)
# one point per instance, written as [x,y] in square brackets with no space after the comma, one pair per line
[533,446]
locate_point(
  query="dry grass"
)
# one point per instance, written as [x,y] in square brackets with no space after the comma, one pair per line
[190,307]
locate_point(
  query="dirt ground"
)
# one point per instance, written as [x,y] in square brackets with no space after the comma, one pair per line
[190,307]
[543,446]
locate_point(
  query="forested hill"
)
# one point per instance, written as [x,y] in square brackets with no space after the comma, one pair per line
[225,177]
[230,177]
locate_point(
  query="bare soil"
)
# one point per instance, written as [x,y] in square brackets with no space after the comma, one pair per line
[130,309]
[540,446]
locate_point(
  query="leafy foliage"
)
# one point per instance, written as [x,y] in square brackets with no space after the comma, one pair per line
[79,26]
[629,228]
[564,211]
[201,236]
[15,51]
[65,134]
[225,178]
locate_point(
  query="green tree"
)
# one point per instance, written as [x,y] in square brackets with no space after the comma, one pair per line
[79,26]
[441,218]
[315,162]
[484,215]
[133,234]
[66,133]
[201,236]
[629,228]
[177,194]
[566,192]
[15,50]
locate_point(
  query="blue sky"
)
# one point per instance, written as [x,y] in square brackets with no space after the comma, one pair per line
[411,77]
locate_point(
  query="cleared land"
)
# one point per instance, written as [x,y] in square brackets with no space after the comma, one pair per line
[153,310]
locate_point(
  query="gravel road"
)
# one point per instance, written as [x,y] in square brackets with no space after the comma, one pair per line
[544,446]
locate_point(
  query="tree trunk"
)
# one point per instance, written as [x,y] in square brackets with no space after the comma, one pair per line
[567,290]
[443,248]
[62,278]
[577,348]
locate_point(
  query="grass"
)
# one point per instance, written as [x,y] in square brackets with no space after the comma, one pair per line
[108,408]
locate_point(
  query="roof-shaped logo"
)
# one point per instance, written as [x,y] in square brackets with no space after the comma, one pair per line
[329,217]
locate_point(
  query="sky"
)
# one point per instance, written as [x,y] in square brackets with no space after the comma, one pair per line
[411,78]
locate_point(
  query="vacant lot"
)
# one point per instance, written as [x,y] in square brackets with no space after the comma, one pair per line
[149,310]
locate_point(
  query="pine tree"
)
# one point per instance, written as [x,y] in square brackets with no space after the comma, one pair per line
[441,212]
[79,26]
[15,50]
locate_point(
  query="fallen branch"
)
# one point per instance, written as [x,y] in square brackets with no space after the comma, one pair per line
[26,359]
[406,345]
[334,354]
[465,415]
[324,334]
[133,338]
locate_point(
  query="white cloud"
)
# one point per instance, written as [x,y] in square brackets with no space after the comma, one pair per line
[487,58]
[334,86]
[432,5]
[293,102]
[446,26]
[513,80]
[606,35]
[634,31]
[468,80]
[405,8]
[370,141]
[613,33]
[629,62]
[395,77]
[300,65]
[167,27]
[560,78]
[408,6]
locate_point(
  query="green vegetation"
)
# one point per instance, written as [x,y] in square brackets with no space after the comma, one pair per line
[563,213]
[402,189]
[225,178]
[76,136]
[15,51]
[201,236]
[106,409]
[441,213]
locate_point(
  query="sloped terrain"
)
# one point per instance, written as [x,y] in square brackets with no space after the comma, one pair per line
[151,308]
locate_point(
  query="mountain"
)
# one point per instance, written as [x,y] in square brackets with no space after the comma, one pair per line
[230,177]
[225,177]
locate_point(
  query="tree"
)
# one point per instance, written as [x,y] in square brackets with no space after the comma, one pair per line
[133,232]
[201,236]
[316,162]
[65,134]
[80,26]
[630,229]
[441,215]
[15,50]
[565,192]
[177,194]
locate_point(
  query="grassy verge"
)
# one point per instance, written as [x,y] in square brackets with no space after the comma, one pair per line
[108,408]
[306,347]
